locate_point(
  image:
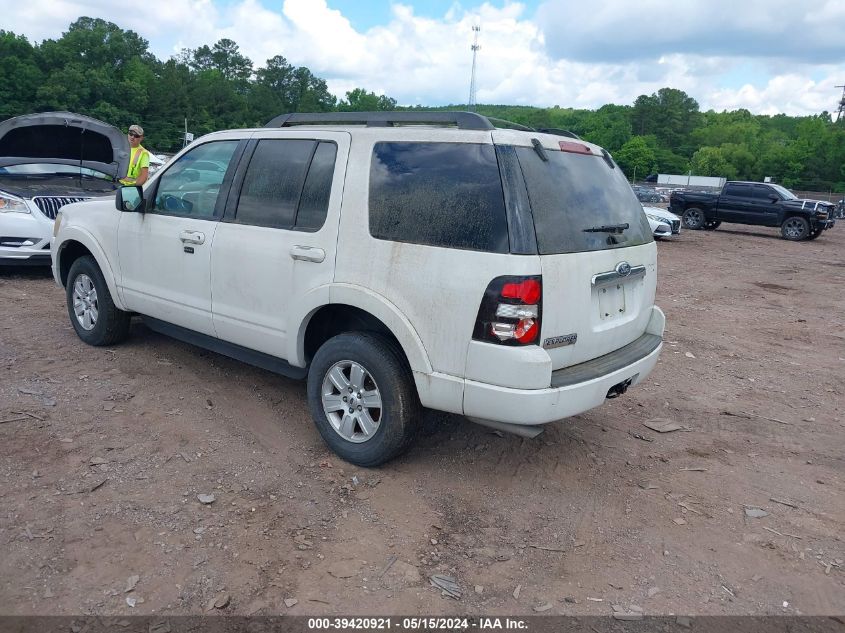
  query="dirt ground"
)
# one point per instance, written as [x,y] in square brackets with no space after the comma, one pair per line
[103,453]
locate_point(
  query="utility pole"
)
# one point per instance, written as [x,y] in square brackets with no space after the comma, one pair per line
[475,47]
[841,110]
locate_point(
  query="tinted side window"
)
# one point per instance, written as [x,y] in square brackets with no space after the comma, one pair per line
[314,204]
[191,185]
[742,191]
[273,182]
[439,194]
[763,193]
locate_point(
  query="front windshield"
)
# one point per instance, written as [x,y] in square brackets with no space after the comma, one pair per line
[786,194]
[51,169]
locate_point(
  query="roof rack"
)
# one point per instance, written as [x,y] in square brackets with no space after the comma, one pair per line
[559,132]
[463,120]
[509,125]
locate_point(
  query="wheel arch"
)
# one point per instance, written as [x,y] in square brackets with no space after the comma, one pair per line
[81,244]
[347,308]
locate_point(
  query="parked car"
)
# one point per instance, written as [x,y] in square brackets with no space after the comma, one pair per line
[49,160]
[157,161]
[663,223]
[659,228]
[756,203]
[645,194]
[394,259]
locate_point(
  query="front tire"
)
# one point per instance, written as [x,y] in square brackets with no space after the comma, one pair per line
[362,398]
[795,228]
[814,234]
[92,312]
[693,218]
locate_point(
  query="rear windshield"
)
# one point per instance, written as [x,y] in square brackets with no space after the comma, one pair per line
[580,203]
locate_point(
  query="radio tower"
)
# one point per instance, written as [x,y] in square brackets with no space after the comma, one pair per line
[475,46]
[839,113]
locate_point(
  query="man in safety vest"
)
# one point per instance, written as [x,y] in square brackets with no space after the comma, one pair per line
[139,158]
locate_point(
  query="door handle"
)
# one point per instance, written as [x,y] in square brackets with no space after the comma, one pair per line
[192,237]
[308,254]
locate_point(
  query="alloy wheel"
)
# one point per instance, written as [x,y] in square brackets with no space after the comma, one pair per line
[85,305]
[351,401]
[793,228]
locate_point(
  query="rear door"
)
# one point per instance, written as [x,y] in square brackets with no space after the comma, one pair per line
[736,203]
[278,241]
[597,254]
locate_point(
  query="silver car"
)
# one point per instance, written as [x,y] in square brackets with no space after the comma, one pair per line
[48,160]
[663,223]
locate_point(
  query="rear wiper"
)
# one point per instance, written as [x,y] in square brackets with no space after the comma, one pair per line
[608,228]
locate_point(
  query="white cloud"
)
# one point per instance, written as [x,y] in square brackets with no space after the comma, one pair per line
[570,53]
[795,93]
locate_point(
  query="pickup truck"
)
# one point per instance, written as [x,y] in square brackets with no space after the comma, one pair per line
[761,204]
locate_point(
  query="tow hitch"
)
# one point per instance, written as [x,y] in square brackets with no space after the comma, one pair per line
[618,389]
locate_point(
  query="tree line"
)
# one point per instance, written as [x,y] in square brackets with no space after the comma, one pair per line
[98,69]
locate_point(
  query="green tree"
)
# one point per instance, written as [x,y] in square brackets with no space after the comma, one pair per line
[636,157]
[670,115]
[226,57]
[312,94]
[20,75]
[95,68]
[359,100]
[609,126]
[710,161]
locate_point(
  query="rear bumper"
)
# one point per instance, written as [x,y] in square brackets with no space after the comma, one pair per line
[578,393]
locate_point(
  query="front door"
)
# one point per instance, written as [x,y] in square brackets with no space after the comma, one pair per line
[164,254]
[766,206]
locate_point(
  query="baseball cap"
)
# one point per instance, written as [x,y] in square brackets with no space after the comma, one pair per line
[137,129]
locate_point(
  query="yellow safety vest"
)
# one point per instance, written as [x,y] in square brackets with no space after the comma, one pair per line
[136,164]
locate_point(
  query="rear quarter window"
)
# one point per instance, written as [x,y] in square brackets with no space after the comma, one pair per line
[438,194]
[740,191]
[572,193]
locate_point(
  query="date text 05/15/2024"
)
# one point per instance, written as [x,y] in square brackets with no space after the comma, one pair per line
[417,623]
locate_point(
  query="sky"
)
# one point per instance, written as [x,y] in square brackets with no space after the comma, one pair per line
[767,56]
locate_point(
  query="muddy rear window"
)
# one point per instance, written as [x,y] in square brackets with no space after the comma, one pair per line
[580,203]
[439,194]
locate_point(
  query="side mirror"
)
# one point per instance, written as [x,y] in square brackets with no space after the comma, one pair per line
[130,199]
[773,197]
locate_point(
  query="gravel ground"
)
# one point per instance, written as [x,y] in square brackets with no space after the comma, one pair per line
[104,453]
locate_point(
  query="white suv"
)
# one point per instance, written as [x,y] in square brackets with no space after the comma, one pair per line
[394,259]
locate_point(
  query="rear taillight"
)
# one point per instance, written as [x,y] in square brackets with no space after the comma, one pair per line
[510,311]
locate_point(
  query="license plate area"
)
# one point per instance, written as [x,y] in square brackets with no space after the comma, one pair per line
[611,300]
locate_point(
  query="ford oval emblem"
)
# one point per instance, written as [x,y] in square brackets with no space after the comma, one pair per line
[623,269]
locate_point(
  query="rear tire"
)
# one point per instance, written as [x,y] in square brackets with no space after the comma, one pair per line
[795,228]
[693,219]
[362,398]
[92,312]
